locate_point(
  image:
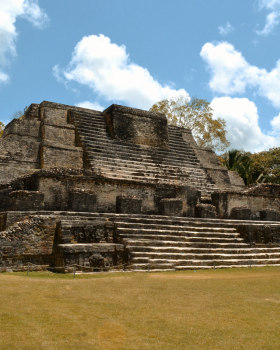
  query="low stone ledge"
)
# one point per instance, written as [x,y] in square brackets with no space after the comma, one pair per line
[255,234]
[205,211]
[128,205]
[241,214]
[171,207]
[91,247]
[80,200]
[269,215]
[26,200]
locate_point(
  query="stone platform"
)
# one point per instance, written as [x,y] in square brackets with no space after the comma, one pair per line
[120,189]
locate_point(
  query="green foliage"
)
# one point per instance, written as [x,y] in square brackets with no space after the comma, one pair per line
[2,126]
[242,163]
[254,167]
[267,163]
[197,115]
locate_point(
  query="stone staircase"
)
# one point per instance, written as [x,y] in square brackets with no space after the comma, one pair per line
[162,243]
[177,165]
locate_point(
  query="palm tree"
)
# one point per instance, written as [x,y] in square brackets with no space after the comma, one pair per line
[242,163]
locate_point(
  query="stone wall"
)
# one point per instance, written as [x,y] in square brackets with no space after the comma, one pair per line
[30,240]
[19,146]
[137,126]
[61,189]
[226,202]
[58,148]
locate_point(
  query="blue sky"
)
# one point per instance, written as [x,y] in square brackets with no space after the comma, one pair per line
[94,53]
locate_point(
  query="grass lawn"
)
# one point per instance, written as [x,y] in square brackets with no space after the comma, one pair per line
[217,309]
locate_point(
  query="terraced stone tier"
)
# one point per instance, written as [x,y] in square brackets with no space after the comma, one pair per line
[117,160]
[178,244]
[166,243]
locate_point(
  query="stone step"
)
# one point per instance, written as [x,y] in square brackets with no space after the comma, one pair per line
[90,120]
[130,221]
[182,238]
[182,233]
[225,262]
[127,163]
[99,159]
[90,123]
[159,180]
[141,176]
[171,160]
[210,222]
[143,161]
[150,171]
[137,171]
[95,135]
[119,147]
[141,250]
[134,173]
[91,135]
[149,242]
[195,265]
[165,237]
[137,257]
[202,267]
[185,228]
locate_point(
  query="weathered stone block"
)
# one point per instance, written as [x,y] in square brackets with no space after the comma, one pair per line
[89,257]
[64,135]
[193,196]
[241,214]
[82,201]
[205,211]
[26,200]
[137,126]
[55,156]
[269,215]
[128,205]
[171,207]
[23,127]
[53,116]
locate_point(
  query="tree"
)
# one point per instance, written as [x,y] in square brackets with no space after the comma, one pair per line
[267,163]
[2,126]
[197,115]
[242,163]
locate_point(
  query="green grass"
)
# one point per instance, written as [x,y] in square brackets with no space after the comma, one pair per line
[218,309]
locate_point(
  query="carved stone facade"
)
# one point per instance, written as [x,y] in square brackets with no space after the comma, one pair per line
[92,190]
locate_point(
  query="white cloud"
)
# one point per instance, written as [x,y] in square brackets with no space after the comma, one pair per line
[3,77]
[91,105]
[243,130]
[225,30]
[10,10]
[275,124]
[273,17]
[232,74]
[105,67]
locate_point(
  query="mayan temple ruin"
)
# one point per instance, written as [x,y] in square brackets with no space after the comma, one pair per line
[120,189]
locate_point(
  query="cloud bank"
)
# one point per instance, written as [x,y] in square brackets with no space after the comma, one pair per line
[10,10]
[106,68]
[232,74]
[242,120]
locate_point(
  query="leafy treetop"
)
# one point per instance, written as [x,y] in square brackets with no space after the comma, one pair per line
[197,115]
